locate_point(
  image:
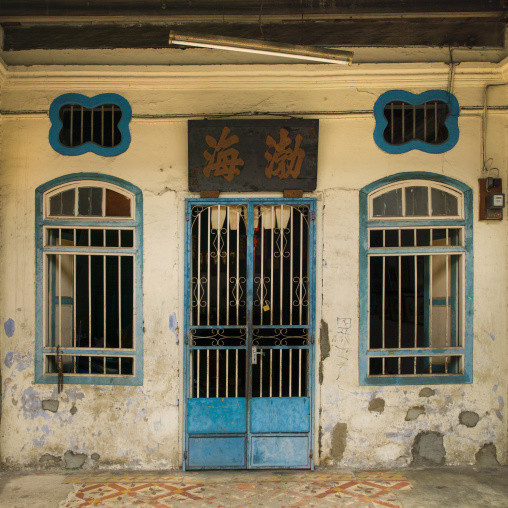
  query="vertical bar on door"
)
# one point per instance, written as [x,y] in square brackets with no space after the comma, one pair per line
[280,372]
[291,208]
[207,373]
[281,269]
[300,376]
[228,252]
[237,285]
[271,279]
[217,372]
[198,282]
[300,296]
[271,368]
[236,374]
[290,370]
[218,263]
[227,373]
[208,269]
[261,373]
[198,352]
[262,282]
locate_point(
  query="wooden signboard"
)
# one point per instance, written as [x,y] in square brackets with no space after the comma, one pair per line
[253,155]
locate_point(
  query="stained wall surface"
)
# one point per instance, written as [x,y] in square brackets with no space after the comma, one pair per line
[355,426]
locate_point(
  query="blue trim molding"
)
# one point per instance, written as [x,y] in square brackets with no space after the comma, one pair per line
[467,223]
[451,122]
[137,224]
[89,103]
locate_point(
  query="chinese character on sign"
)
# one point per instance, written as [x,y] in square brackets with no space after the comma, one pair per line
[284,161]
[223,160]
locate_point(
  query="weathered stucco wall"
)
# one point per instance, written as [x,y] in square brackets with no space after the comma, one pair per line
[112,426]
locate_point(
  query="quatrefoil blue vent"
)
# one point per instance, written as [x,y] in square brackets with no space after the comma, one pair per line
[81,124]
[426,122]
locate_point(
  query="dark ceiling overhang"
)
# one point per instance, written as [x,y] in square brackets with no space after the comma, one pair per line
[99,24]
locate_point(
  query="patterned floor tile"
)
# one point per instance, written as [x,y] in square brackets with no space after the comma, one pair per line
[289,490]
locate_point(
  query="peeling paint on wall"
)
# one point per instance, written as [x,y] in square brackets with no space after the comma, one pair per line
[173,325]
[9,327]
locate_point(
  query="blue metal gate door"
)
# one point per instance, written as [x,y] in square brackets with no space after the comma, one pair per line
[249,334]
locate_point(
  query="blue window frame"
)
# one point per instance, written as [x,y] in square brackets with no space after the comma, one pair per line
[426,122]
[416,280]
[81,124]
[89,298]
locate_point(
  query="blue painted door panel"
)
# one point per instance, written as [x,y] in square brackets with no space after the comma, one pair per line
[217,452]
[280,414]
[280,451]
[216,416]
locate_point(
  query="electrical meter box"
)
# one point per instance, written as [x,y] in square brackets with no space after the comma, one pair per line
[491,199]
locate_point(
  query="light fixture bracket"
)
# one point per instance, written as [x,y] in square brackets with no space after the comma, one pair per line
[310,53]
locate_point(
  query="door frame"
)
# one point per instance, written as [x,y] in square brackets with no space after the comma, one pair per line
[311,203]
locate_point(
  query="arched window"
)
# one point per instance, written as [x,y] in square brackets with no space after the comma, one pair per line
[416,280]
[89,297]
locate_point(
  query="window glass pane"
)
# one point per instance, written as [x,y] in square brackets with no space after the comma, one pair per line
[391,238]
[423,237]
[407,238]
[96,238]
[117,205]
[388,204]
[62,203]
[90,201]
[443,203]
[375,302]
[112,237]
[376,238]
[391,296]
[127,238]
[417,201]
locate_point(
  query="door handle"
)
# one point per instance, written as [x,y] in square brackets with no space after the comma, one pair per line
[255,354]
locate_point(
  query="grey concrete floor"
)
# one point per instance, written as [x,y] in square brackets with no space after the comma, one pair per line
[455,487]
[431,488]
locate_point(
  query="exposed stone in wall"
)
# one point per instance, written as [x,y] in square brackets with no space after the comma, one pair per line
[427,392]
[487,456]
[50,458]
[50,405]
[95,457]
[339,438]
[469,418]
[73,410]
[324,343]
[377,405]
[414,413]
[74,460]
[428,449]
